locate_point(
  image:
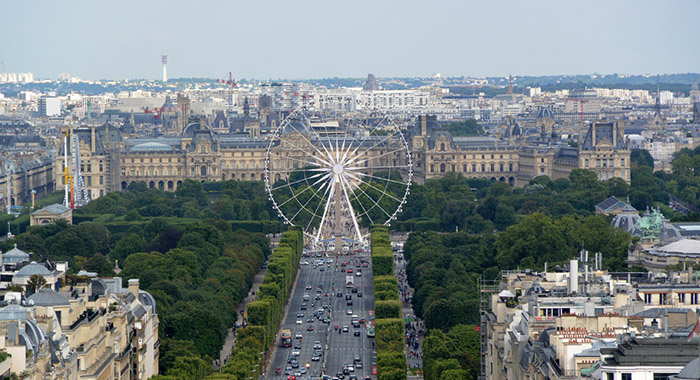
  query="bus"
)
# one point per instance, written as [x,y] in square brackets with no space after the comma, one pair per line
[349,282]
[286,338]
[370,329]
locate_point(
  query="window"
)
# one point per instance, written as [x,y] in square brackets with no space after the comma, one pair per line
[454,168]
[473,167]
[501,167]
[464,167]
[597,163]
[442,167]
[647,298]
[483,167]
[102,180]
[662,376]
[89,180]
[662,298]
[585,163]
[432,168]
[694,298]
[610,376]
[101,167]
[681,297]
[626,376]
[622,163]
[493,169]
[542,170]
[542,159]
[510,167]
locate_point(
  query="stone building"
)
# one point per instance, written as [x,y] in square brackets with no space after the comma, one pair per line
[111,162]
[92,329]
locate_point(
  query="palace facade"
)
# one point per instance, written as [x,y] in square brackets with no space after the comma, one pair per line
[110,161]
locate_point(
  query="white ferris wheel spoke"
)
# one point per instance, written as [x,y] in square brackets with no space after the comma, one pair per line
[307,202]
[352,211]
[325,211]
[379,178]
[373,201]
[315,214]
[384,192]
[304,136]
[366,212]
[295,182]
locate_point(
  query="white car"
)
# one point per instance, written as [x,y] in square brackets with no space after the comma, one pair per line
[299,322]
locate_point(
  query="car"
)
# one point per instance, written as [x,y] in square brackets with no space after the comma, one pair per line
[356,333]
[358,365]
[362,321]
[292,377]
[318,297]
[354,290]
[288,370]
[291,358]
[295,364]
[315,358]
[353,377]
[348,311]
[318,352]
[299,321]
[298,373]
[317,345]
[356,324]
[295,353]
[339,294]
[351,368]
[306,297]
[310,328]
[346,371]
[310,319]
[303,306]
[348,296]
[340,375]
[349,270]
[348,303]
[342,269]
[297,345]
[358,273]
[322,269]
[300,315]
[327,320]
[308,287]
[345,329]
[357,358]
[298,335]
[359,294]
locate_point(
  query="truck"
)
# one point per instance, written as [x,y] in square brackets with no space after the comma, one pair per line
[370,329]
[286,338]
[349,282]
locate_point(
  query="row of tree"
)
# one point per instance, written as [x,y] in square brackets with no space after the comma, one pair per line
[264,314]
[389,326]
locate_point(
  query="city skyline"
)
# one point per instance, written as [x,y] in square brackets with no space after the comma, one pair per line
[277,39]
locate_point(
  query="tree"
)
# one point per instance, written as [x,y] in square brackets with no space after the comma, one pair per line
[35,283]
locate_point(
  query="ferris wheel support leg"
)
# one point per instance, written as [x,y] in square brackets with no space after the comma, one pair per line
[338,227]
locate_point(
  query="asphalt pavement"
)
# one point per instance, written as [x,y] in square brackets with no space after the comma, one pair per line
[337,348]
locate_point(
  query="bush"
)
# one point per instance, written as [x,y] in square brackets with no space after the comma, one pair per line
[387,309]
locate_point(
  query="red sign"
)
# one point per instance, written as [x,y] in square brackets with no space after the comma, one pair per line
[477,328]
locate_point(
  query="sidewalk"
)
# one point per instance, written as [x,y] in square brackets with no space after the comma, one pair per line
[414,326]
[230,341]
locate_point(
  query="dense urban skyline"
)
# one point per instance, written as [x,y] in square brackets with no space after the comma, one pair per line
[278,39]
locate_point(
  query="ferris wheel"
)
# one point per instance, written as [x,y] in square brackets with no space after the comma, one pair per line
[335,178]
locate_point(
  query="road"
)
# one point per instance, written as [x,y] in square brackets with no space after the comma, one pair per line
[337,348]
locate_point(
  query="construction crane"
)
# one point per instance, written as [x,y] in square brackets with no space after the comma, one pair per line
[228,81]
[75,192]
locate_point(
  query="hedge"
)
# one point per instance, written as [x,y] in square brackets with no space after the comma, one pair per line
[265,313]
[389,327]
[387,309]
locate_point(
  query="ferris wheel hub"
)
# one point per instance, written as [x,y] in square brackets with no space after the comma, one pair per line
[338,169]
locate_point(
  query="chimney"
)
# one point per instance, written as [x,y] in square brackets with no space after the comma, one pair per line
[134,287]
[573,276]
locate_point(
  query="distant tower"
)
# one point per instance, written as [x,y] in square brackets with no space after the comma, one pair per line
[510,84]
[164,59]
[657,107]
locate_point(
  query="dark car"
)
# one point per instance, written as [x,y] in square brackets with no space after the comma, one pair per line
[356,333]
[359,294]
[354,290]
[303,306]
[339,294]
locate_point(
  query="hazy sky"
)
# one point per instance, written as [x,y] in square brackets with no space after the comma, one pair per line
[271,39]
